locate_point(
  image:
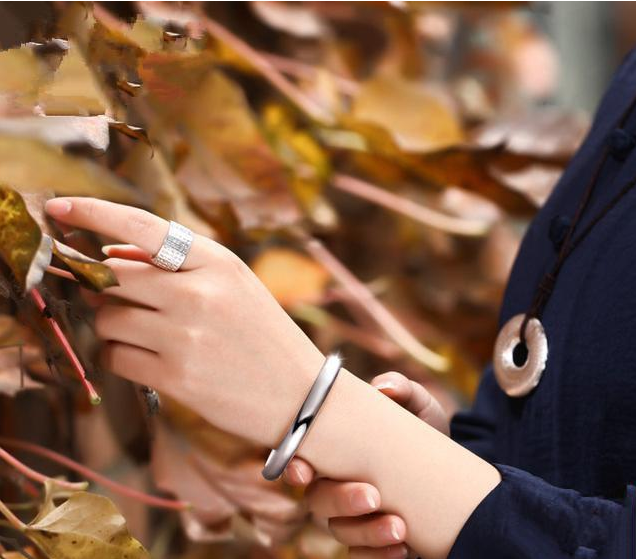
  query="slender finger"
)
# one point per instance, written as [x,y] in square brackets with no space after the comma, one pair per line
[327,498]
[375,531]
[124,223]
[399,551]
[139,282]
[130,325]
[126,252]
[134,363]
[299,473]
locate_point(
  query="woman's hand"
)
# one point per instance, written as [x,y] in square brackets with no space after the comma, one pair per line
[352,509]
[210,335]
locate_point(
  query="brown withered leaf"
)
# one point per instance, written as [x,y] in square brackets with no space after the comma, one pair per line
[23,247]
[229,159]
[91,273]
[227,498]
[21,76]
[30,165]
[73,89]
[420,117]
[86,526]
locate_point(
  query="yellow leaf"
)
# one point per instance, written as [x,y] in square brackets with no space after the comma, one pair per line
[419,116]
[29,165]
[91,273]
[22,246]
[73,90]
[86,526]
[291,277]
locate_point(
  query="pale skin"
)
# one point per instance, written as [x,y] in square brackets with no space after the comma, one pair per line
[213,337]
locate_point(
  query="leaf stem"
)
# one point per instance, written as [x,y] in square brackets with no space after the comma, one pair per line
[61,273]
[85,471]
[374,308]
[12,518]
[66,346]
[427,216]
[37,476]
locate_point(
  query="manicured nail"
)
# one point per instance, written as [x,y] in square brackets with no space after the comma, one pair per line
[58,206]
[363,502]
[107,248]
[386,385]
[298,474]
[395,532]
[399,552]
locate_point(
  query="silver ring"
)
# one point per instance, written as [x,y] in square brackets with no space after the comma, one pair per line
[175,248]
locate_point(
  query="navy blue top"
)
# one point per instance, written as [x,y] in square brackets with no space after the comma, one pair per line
[567,451]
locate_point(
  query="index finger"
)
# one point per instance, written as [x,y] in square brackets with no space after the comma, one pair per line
[124,223]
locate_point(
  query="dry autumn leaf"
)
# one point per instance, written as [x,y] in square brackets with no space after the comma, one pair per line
[23,247]
[86,526]
[91,273]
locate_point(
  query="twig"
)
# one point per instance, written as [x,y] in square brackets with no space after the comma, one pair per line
[85,471]
[376,310]
[37,476]
[427,216]
[12,518]
[66,346]
[303,70]
[62,273]
[370,341]
[266,68]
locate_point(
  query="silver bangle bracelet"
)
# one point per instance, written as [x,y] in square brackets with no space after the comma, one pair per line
[280,457]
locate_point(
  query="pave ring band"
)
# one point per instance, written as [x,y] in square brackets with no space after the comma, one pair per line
[175,248]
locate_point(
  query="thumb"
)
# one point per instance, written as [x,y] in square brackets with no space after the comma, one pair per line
[413,397]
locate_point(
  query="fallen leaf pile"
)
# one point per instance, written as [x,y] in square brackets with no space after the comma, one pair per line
[375,163]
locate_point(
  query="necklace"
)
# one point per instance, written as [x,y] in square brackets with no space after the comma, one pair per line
[521,347]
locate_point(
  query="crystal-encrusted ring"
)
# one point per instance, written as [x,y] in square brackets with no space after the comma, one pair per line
[175,248]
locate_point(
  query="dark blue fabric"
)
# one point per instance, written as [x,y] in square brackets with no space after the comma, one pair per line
[567,451]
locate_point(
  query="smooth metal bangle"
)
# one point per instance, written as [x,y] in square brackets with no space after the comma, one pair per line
[279,457]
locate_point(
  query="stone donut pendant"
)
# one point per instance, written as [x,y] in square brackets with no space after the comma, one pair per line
[518,367]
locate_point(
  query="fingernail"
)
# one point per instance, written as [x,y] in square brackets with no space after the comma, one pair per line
[106,249]
[399,552]
[363,502]
[58,206]
[298,474]
[395,532]
[386,385]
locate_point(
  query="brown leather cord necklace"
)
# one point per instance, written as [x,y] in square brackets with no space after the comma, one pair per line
[521,348]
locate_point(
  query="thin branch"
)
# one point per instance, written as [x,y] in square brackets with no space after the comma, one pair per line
[369,341]
[66,346]
[61,273]
[376,310]
[427,216]
[12,518]
[85,471]
[265,68]
[37,476]
[303,70]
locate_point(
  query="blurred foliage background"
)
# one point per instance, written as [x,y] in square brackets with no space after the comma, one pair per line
[376,163]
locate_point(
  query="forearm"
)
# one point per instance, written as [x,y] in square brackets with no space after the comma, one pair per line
[422,475]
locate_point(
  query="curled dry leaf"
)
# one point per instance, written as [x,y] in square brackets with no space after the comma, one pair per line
[23,247]
[86,526]
[91,273]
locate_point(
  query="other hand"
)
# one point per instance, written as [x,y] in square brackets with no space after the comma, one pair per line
[353,509]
